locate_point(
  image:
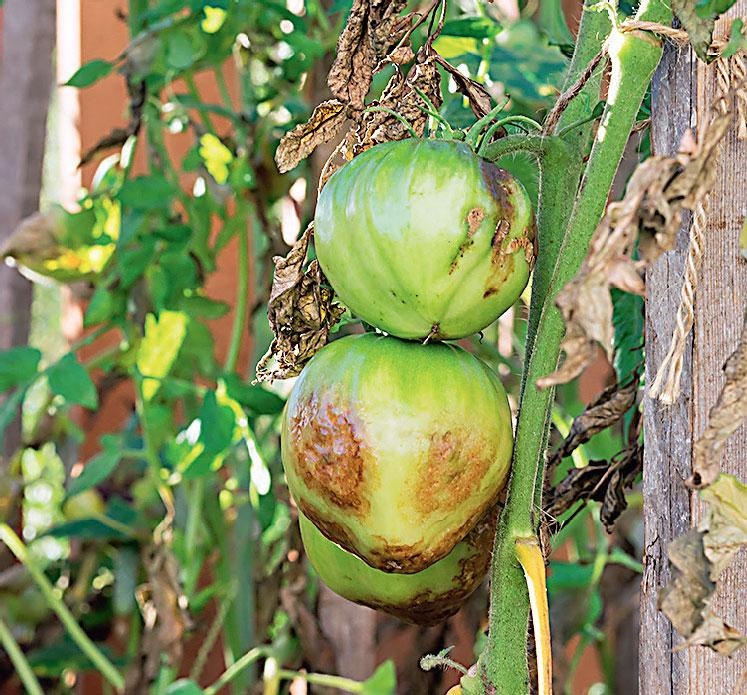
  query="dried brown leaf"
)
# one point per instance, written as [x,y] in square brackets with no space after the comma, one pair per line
[324,123]
[658,193]
[725,417]
[477,95]
[163,607]
[601,481]
[614,402]
[399,95]
[373,29]
[698,557]
[301,312]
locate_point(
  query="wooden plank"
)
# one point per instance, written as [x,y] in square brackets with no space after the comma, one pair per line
[719,310]
[667,450]
[26,83]
[682,92]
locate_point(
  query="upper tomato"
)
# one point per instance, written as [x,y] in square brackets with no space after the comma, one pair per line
[424,238]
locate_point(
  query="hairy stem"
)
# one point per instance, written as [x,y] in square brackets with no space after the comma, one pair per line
[503,666]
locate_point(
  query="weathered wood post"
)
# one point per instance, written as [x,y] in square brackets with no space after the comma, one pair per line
[26,82]
[683,92]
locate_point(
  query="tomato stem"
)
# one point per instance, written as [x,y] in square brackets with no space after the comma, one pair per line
[564,240]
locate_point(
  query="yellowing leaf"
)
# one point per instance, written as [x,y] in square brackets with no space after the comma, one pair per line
[216,156]
[158,349]
[214,18]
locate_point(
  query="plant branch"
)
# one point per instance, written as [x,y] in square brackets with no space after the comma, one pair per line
[634,58]
[84,643]
[17,658]
[244,215]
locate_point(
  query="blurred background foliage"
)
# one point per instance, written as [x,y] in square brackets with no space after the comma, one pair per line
[175,548]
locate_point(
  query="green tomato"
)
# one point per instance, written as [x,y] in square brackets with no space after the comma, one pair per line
[424,598]
[395,449]
[424,238]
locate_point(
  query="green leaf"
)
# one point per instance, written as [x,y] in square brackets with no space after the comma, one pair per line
[99,467]
[566,576]
[254,397]
[203,307]
[530,70]
[382,682]
[160,345]
[134,260]
[126,574]
[101,307]
[69,379]
[698,20]
[184,686]
[85,529]
[217,423]
[146,193]
[52,660]
[627,321]
[552,24]
[17,366]
[180,53]
[737,42]
[712,8]
[9,410]
[89,73]
[475,27]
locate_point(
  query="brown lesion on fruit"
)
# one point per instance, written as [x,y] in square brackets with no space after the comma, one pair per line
[456,461]
[525,243]
[474,219]
[330,453]
[431,608]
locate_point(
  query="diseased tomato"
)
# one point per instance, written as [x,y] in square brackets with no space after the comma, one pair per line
[424,598]
[424,238]
[395,449]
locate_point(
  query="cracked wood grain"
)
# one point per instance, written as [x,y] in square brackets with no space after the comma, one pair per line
[682,94]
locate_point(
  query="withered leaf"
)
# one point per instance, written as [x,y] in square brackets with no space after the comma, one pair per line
[477,95]
[373,29]
[698,557]
[657,194]
[163,607]
[727,521]
[725,417]
[400,95]
[600,481]
[614,402]
[301,312]
[324,123]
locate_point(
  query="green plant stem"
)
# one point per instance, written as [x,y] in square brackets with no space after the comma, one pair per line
[207,123]
[84,643]
[220,80]
[634,58]
[236,668]
[17,658]
[561,169]
[242,287]
[346,684]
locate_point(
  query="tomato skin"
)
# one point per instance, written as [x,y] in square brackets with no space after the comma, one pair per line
[394,449]
[425,598]
[424,238]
